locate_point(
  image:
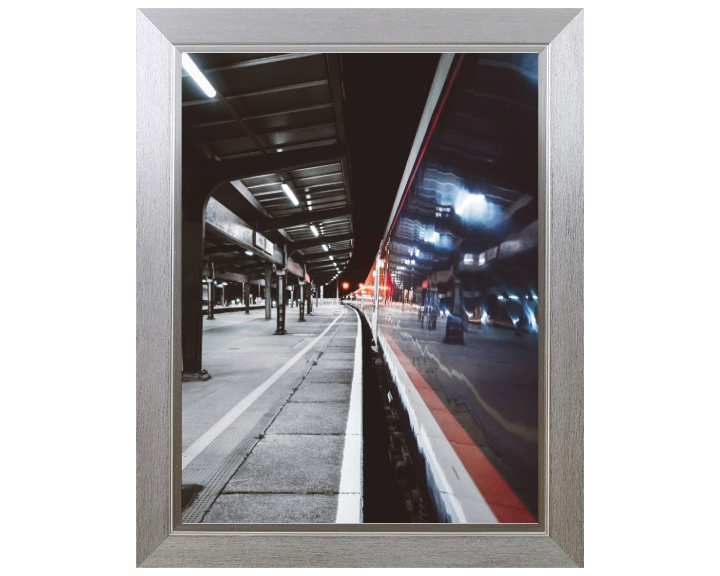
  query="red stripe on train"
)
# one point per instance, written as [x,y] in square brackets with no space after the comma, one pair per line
[503,502]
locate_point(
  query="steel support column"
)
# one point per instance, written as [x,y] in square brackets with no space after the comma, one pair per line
[193,239]
[268,291]
[309,292]
[302,300]
[211,300]
[309,299]
[281,304]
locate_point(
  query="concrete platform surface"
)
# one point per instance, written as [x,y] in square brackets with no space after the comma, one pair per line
[271,437]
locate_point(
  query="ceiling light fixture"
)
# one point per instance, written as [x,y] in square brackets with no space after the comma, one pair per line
[314,230]
[290,194]
[192,69]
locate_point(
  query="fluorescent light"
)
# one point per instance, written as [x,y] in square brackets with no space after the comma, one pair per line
[331,258]
[314,230]
[248,252]
[310,208]
[192,69]
[279,149]
[290,194]
[325,247]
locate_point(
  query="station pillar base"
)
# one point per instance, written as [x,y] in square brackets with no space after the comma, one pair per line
[201,376]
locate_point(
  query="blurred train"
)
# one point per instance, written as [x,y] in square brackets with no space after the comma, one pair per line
[453,298]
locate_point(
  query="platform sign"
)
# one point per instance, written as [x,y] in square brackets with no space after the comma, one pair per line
[223,220]
[264,244]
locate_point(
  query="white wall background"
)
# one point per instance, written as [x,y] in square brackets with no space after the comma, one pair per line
[652,212]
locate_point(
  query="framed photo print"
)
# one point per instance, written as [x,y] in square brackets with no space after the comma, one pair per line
[360,288]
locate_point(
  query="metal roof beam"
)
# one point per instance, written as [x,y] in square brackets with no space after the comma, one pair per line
[336,88]
[262,116]
[325,255]
[316,268]
[319,265]
[265,92]
[303,244]
[249,196]
[301,218]
[257,62]
[228,170]
[240,121]
[224,248]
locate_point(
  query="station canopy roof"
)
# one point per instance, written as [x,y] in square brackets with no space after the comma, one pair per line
[268,108]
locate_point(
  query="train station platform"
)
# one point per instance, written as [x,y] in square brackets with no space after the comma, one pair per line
[275,435]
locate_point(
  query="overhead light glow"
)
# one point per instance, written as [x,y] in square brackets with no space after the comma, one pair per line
[279,149]
[325,247]
[192,69]
[331,258]
[248,252]
[290,194]
[314,230]
[310,208]
[514,298]
[471,199]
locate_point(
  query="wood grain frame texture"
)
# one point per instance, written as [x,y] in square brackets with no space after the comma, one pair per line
[161,36]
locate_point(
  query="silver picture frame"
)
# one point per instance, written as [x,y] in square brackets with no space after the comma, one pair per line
[162,35]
